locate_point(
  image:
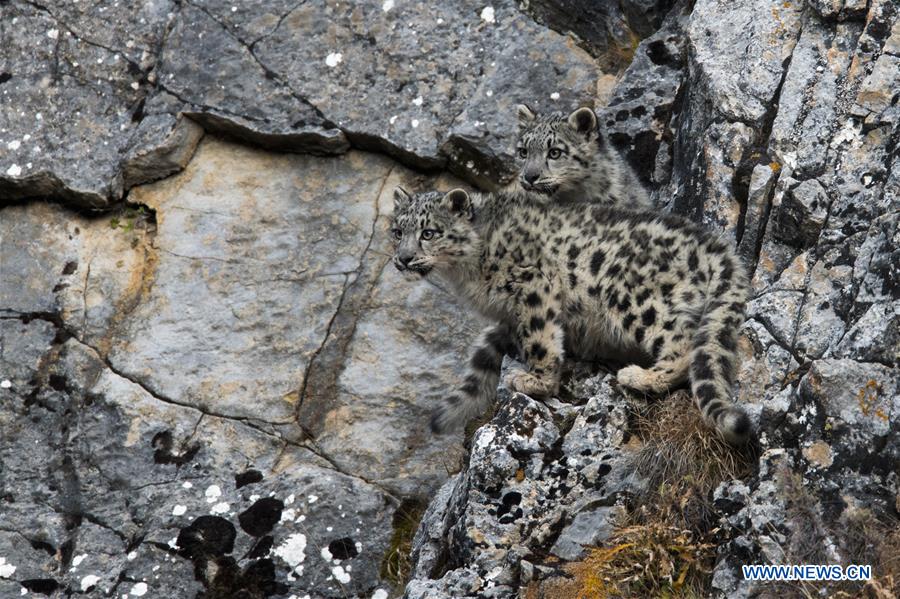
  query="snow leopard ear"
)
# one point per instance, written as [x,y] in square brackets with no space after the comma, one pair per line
[583,120]
[458,202]
[402,199]
[525,114]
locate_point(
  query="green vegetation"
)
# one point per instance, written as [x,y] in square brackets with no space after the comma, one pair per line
[131,220]
[396,564]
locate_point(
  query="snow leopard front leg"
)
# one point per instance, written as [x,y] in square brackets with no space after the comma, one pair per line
[480,387]
[540,338]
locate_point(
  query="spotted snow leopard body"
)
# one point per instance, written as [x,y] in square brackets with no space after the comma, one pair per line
[566,158]
[580,276]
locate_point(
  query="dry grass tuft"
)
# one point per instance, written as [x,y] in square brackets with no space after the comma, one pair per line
[667,546]
[683,461]
[862,538]
[874,541]
[649,560]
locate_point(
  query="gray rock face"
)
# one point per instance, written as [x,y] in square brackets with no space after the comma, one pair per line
[637,116]
[216,385]
[609,30]
[540,479]
[741,65]
[147,355]
[432,86]
[136,492]
[774,128]
[800,216]
[56,83]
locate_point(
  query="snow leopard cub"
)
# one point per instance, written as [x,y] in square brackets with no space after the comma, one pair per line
[567,159]
[576,276]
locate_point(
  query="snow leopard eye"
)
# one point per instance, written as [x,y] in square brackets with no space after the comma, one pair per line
[554,154]
[428,234]
[523,153]
[397,233]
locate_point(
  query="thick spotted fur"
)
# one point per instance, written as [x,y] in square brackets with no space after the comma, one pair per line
[566,158]
[476,393]
[581,277]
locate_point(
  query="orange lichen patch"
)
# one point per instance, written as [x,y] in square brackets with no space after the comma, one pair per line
[868,399]
[606,83]
[766,262]
[775,166]
[793,376]
[520,475]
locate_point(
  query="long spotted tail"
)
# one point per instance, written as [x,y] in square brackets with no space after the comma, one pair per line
[714,353]
[477,393]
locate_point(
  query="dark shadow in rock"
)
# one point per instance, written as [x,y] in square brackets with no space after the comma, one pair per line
[659,54]
[221,577]
[44,586]
[261,548]
[43,546]
[261,517]
[247,478]
[344,548]
[57,382]
[228,582]
[509,512]
[163,444]
[206,536]
[260,577]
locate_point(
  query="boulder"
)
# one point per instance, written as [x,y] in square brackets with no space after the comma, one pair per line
[199,413]
[95,101]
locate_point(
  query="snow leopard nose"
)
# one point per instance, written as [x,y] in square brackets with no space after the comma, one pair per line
[403,259]
[530,176]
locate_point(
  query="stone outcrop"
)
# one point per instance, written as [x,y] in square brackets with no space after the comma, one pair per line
[214,383]
[541,481]
[151,380]
[95,97]
[789,146]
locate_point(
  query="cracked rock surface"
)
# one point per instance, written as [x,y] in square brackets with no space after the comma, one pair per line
[769,122]
[94,95]
[542,482]
[214,384]
[220,359]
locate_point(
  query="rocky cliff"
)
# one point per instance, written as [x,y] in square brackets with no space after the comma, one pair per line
[777,124]
[214,384]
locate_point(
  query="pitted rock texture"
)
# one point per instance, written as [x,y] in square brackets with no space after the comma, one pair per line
[216,385]
[94,97]
[541,481]
[636,117]
[771,123]
[609,30]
